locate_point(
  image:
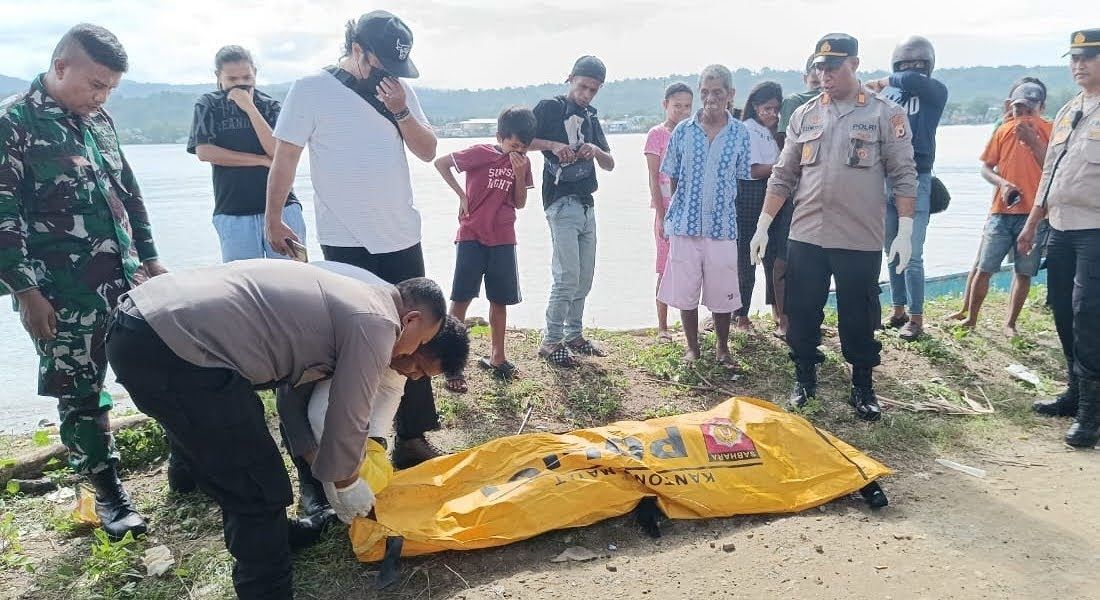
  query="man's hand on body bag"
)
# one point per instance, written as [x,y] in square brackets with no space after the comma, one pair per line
[355,500]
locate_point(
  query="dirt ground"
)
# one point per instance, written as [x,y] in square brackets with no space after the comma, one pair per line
[1028,529]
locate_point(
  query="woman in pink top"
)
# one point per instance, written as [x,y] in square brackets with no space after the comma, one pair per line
[677,105]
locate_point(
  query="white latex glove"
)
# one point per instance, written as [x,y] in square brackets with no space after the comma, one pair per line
[356,500]
[759,243]
[902,248]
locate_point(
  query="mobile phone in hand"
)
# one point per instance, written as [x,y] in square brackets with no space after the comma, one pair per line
[297,251]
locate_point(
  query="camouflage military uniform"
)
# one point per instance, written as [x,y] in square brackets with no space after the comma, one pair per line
[72,224]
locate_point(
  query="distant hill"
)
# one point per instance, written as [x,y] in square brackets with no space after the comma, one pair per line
[161,113]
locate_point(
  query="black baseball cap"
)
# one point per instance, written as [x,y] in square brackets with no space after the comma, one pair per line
[589,66]
[1030,93]
[835,48]
[390,39]
[1085,42]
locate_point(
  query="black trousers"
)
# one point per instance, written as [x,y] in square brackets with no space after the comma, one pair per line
[1073,285]
[416,414]
[856,273]
[750,203]
[214,418]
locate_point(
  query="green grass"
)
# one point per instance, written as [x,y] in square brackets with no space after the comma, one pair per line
[639,379]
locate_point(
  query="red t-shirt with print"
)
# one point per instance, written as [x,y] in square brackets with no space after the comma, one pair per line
[490,190]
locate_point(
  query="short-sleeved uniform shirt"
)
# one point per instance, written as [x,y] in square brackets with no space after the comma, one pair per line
[1015,162]
[490,189]
[220,122]
[553,115]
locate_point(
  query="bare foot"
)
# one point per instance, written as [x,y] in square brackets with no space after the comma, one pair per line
[969,324]
[744,324]
[1010,330]
[663,336]
[959,316]
[723,357]
[691,356]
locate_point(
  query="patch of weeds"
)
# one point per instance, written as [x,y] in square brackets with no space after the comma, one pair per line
[665,410]
[110,571]
[478,331]
[908,433]
[1022,344]
[451,408]
[11,551]
[41,438]
[599,400]
[142,445]
[932,348]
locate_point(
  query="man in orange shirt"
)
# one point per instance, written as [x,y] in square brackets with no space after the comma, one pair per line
[1013,162]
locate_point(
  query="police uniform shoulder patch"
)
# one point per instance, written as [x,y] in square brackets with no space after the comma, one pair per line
[897,123]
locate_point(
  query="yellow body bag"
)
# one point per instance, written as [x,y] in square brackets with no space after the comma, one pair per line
[744,456]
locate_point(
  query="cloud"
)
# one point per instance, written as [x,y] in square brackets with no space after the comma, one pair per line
[496,43]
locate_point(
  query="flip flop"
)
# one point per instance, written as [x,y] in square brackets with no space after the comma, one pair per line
[456,383]
[504,370]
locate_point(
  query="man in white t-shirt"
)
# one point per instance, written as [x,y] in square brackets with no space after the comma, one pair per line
[357,118]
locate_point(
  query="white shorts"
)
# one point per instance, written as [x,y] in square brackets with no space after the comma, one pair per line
[701,265]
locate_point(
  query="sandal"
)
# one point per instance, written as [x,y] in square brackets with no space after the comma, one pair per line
[583,346]
[558,355]
[504,370]
[456,383]
[664,337]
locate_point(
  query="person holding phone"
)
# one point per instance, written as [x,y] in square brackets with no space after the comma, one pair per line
[1013,163]
[232,130]
[358,118]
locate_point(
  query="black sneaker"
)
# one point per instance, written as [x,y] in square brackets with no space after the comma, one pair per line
[866,404]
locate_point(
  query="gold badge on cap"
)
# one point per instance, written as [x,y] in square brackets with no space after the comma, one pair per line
[827,47]
[1079,38]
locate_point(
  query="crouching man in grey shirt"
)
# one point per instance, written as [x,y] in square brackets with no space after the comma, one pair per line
[193,349]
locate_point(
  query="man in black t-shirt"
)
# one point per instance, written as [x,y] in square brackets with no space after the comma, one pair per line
[232,131]
[573,143]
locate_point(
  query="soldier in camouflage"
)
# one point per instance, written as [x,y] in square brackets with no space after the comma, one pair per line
[74,235]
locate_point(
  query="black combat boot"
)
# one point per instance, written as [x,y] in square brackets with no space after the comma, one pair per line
[180,479]
[305,532]
[805,384]
[113,505]
[1065,405]
[1085,431]
[863,397]
[311,496]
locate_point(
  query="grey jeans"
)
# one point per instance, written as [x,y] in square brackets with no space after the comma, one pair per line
[573,235]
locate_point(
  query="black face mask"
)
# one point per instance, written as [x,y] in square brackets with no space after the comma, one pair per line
[371,83]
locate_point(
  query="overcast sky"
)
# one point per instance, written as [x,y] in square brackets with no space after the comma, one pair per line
[498,43]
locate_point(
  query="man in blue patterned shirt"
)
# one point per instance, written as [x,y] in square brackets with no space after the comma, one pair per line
[705,158]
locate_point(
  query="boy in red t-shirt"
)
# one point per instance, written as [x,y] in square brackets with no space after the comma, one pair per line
[497,179]
[1013,163]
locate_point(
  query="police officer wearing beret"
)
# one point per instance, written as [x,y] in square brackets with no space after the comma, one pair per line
[845,150]
[1068,197]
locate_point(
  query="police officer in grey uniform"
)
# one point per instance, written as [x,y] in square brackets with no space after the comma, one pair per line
[845,149]
[1069,194]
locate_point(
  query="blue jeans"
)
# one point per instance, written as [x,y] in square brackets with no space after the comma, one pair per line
[573,235]
[907,289]
[242,236]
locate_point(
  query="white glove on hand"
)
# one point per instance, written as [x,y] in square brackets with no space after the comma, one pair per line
[902,248]
[356,500]
[759,244]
